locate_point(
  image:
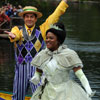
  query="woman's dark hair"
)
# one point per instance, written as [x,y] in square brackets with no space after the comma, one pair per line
[60,32]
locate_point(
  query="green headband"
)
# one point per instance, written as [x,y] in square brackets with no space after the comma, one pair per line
[29,10]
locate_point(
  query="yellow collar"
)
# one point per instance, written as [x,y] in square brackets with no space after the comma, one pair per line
[29,28]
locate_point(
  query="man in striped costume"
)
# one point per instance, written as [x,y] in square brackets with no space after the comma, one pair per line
[29,40]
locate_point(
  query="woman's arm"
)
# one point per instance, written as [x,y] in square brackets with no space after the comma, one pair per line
[84,81]
[36,77]
[39,70]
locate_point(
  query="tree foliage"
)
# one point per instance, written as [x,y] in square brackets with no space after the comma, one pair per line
[26,2]
[37,3]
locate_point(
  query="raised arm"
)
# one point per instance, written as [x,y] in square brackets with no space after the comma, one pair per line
[54,17]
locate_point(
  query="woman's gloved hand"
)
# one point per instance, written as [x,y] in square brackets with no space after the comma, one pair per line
[92,94]
[81,76]
[36,78]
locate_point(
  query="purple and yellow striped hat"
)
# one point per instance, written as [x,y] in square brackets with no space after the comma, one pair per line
[30,9]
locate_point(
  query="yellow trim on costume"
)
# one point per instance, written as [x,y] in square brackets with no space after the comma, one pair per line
[53,18]
[29,28]
[8,96]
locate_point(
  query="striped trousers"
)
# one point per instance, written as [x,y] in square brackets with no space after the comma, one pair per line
[23,73]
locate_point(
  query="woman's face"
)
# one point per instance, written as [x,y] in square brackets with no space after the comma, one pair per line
[52,42]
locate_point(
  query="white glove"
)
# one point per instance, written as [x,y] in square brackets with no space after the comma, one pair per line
[92,94]
[36,78]
[79,73]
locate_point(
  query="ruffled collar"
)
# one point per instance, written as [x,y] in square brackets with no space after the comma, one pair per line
[63,55]
[59,50]
[46,54]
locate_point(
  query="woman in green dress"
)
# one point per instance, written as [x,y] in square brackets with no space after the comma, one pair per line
[56,62]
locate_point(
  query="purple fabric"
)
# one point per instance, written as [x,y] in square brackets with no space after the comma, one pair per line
[28,58]
[1,98]
[37,33]
[20,47]
[29,45]
[23,74]
[20,58]
[24,71]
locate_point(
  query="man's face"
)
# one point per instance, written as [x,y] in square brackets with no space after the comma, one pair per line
[30,19]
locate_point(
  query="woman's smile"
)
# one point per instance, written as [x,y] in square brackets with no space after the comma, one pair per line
[51,41]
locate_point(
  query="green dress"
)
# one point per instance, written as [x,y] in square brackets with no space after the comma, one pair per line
[56,67]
